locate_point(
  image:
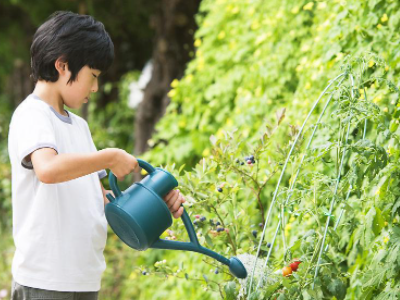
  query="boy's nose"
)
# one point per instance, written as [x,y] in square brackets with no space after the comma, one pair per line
[95,86]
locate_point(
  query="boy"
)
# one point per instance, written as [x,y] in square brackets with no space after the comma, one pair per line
[59,226]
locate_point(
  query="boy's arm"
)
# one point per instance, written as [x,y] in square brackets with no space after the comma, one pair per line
[51,167]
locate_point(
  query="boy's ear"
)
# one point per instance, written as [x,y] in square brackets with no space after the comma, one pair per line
[61,66]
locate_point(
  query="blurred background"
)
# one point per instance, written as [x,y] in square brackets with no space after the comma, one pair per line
[156,34]
[153,42]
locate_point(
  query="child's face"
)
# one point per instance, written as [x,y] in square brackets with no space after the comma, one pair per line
[78,92]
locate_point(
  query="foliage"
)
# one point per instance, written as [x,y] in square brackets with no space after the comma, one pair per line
[112,126]
[254,58]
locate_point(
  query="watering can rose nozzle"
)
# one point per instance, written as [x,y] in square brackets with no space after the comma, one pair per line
[236,267]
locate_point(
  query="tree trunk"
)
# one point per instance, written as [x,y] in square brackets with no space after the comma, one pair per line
[175,25]
[82,10]
[19,84]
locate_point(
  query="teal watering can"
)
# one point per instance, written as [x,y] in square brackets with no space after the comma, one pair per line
[139,215]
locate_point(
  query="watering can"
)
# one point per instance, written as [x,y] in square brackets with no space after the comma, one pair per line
[139,215]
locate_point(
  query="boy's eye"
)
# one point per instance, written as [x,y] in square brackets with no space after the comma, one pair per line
[94,75]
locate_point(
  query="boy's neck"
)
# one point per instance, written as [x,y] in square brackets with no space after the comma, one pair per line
[48,92]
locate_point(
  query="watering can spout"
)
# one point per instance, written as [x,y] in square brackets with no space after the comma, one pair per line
[193,245]
[235,265]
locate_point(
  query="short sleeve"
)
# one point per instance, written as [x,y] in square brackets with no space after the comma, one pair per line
[33,130]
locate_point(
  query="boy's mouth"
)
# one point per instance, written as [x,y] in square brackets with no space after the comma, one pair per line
[86,100]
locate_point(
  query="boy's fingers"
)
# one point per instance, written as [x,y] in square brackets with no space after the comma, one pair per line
[168,196]
[183,200]
[175,206]
[167,200]
[173,199]
[178,213]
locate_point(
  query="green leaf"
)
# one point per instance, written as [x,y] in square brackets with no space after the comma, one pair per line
[369,225]
[309,294]
[205,278]
[337,288]
[280,115]
[230,290]
[379,222]
[209,241]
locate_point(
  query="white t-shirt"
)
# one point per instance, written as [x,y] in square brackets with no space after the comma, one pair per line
[59,230]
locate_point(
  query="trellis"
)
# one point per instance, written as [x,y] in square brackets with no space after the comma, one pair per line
[347,74]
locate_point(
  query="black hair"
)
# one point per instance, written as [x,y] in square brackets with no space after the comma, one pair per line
[79,40]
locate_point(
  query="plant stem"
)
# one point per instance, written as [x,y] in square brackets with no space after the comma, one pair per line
[223,224]
[316,250]
[245,174]
[192,279]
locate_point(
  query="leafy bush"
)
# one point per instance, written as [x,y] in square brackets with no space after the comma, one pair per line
[254,58]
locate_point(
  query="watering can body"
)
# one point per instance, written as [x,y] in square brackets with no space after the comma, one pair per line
[139,215]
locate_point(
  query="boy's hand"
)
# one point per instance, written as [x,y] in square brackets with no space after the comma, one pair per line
[174,199]
[122,163]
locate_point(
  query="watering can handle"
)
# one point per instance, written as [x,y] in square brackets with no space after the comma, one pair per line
[113,179]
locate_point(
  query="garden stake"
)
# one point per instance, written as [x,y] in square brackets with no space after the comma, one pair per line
[351,186]
[330,210]
[298,171]
[283,170]
[340,214]
[336,188]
